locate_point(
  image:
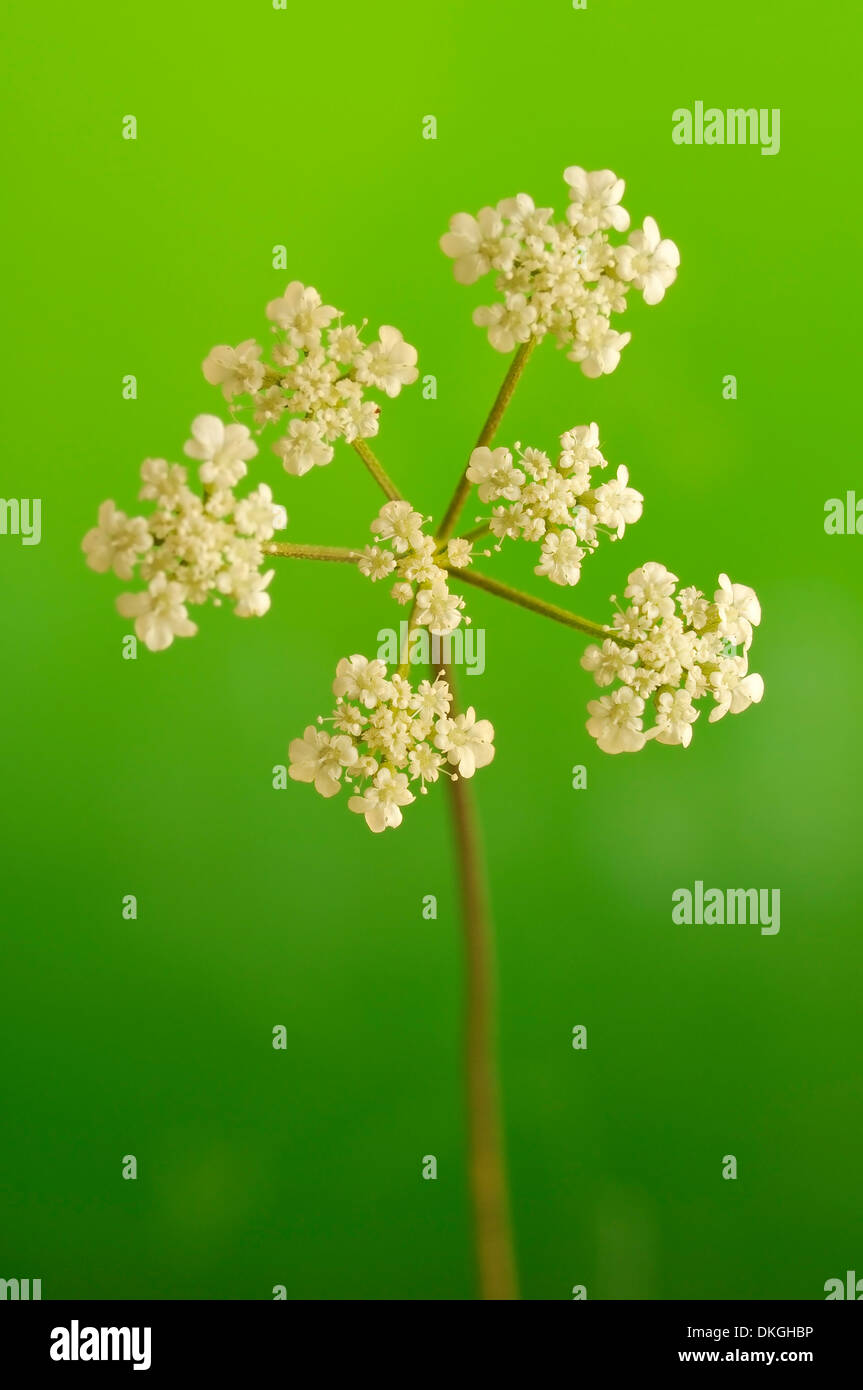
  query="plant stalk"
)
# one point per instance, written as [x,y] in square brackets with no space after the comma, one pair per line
[495,1257]
[536,605]
[377,470]
[487,434]
[313,552]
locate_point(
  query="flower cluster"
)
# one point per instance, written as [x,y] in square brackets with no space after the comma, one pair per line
[190,547]
[388,737]
[408,552]
[559,504]
[672,649]
[320,369]
[562,278]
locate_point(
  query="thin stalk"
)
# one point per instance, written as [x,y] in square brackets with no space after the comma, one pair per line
[377,470]
[313,552]
[536,605]
[487,433]
[486,1165]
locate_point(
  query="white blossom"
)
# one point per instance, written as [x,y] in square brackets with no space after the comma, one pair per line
[595,201]
[318,758]
[159,612]
[237,370]
[117,542]
[389,363]
[224,449]
[466,741]
[648,262]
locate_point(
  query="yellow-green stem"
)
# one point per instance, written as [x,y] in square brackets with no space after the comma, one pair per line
[536,605]
[496,1268]
[487,433]
[313,552]
[377,470]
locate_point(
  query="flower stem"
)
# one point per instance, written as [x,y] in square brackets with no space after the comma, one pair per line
[377,470]
[487,433]
[313,552]
[536,605]
[487,1169]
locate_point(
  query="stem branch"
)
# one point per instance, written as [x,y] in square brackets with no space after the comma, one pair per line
[487,433]
[313,552]
[377,470]
[536,605]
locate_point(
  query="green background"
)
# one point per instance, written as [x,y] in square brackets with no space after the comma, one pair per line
[260,907]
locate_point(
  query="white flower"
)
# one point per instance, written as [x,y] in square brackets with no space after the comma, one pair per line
[397,521]
[477,245]
[739,610]
[580,449]
[303,447]
[357,678]
[270,405]
[466,741]
[595,198]
[493,471]
[615,721]
[458,553]
[402,593]
[375,563]
[693,606]
[425,763]
[300,313]
[389,363]
[237,370]
[617,504]
[608,662]
[164,482]
[159,612]
[508,323]
[437,608]
[561,557]
[650,587]
[117,542]
[649,263]
[382,802]
[733,691]
[250,591]
[597,345]
[259,516]
[318,758]
[345,345]
[523,218]
[224,449]
[432,698]
[675,715]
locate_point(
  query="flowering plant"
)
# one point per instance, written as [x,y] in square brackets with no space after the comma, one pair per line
[664,651]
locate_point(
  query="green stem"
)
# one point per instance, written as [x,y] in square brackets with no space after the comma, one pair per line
[536,605]
[313,552]
[377,470]
[487,433]
[487,1169]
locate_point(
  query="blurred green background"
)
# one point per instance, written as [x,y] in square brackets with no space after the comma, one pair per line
[260,907]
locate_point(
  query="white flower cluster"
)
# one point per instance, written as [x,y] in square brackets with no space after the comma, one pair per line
[388,737]
[190,547]
[319,374]
[412,555]
[563,278]
[672,649]
[559,504]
